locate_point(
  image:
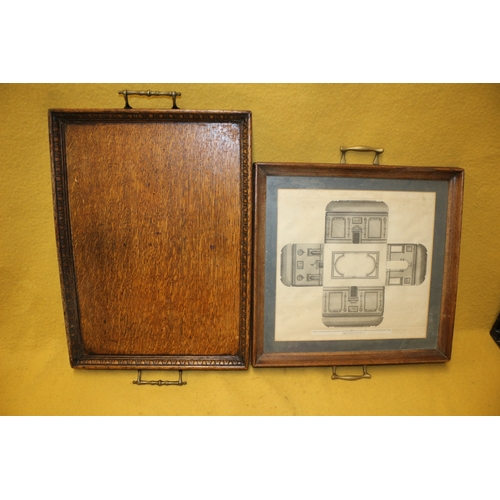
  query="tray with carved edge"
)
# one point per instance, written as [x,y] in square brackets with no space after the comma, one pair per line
[153,224]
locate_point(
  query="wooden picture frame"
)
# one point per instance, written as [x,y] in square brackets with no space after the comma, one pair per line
[154,231]
[355,264]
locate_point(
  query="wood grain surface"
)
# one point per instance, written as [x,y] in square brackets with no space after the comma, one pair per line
[156,207]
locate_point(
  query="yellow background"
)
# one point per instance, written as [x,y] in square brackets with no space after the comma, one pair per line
[421,125]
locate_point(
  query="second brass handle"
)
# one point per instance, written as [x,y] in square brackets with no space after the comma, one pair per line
[150,93]
[377,151]
[336,376]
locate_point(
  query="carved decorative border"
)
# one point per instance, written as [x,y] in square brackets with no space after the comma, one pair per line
[200,362]
[57,121]
[63,234]
[246,233]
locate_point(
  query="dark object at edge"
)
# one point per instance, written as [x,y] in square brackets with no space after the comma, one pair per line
[495,331]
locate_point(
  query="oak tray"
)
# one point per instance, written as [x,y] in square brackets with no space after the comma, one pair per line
[153,221]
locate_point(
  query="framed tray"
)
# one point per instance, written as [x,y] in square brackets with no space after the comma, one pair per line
[355,264]
[153,221]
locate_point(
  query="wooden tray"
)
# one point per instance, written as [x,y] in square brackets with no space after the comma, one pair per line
[355,264]
[153,221]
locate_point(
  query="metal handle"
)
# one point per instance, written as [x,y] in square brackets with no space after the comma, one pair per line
[150,93]
[139,380]
[377,151]
[350,377]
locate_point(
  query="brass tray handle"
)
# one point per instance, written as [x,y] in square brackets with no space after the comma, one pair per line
[150,93]
[377,151]
[365,374]
[139,380]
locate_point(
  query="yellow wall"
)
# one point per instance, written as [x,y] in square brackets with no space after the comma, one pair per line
[421,125]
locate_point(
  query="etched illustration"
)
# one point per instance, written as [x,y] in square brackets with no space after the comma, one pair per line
[354,264]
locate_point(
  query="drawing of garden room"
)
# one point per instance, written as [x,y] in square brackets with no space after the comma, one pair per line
[356,249]
[354,264]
